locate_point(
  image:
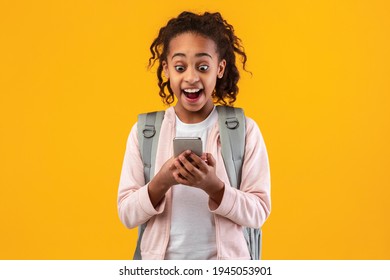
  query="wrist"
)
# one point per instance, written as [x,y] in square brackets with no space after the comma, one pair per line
[159,182]
[157,190]
[216,193]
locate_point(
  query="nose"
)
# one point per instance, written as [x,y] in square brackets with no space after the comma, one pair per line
[191,76]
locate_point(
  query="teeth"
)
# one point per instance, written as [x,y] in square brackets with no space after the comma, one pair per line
[191,90]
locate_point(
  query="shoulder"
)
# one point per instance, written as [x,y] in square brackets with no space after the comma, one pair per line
[253,135]
[250,122]
[133,135]
[251,126]
[168,115]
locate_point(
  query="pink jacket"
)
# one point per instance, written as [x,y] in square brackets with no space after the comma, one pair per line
[250,206]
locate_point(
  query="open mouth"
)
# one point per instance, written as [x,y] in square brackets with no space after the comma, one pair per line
[192,93]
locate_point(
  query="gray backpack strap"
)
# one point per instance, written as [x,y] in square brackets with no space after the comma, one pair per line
[137,252]
[232,136]
[149,126]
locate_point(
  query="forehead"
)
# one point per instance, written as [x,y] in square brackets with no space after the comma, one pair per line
[191,44]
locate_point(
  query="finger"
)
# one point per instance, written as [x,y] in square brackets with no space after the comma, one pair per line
[172,165]
[199,162]
[179,178]
[181,167]
[211,160]
[188,165]
[186,153]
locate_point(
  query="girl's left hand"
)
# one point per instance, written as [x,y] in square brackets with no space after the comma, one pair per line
[199,173]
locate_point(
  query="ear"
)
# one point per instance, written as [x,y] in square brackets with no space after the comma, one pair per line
[221,68]
[165,69]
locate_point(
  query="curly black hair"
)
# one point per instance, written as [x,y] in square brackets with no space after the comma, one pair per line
[210,25]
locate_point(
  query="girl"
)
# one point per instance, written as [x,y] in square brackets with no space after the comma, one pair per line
[190,208]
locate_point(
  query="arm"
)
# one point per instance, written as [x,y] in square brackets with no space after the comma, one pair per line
[250,206]
[135,206]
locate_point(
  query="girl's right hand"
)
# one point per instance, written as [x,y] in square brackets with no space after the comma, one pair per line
[162,182]
[165,175]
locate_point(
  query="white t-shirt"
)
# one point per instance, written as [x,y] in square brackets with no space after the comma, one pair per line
[192,234]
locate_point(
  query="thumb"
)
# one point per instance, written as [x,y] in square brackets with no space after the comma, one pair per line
[211,160]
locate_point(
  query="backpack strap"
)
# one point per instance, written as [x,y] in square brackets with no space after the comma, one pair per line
[232,136]
[148,126]
[232,130]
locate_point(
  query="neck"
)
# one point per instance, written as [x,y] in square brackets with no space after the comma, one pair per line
[194,116]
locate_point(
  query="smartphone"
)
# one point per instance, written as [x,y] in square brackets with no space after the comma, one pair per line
[181,144]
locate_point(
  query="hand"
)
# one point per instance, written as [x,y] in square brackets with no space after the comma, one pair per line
[199,173]
[165,175]
[162,182]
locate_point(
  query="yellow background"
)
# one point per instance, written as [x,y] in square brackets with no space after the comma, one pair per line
[73,79]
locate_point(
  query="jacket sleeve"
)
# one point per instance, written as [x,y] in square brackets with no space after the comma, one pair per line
[134,205]
[251,205]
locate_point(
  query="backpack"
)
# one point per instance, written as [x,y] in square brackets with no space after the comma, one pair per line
[232,136]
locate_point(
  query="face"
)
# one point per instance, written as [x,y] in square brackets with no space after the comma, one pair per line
[193,68]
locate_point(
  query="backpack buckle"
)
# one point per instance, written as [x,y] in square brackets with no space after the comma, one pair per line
[149,131]
[232,123]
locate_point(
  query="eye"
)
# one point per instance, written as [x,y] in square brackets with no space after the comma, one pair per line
[203,68]
[179,68]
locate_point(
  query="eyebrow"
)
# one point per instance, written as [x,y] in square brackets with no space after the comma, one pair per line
[196,55]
